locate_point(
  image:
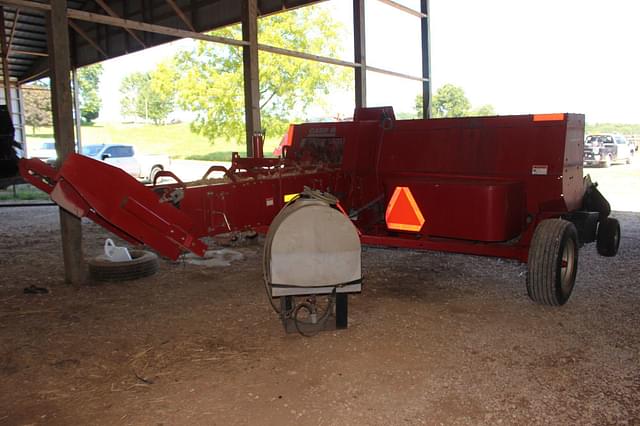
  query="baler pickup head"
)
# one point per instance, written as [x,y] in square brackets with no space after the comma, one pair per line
[116,201]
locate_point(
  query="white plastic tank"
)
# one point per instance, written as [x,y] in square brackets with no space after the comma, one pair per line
[312,248]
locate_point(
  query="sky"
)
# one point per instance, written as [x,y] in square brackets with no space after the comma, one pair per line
[521,56]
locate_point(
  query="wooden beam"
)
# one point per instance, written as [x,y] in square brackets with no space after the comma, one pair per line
[27,4]
[61,107]
[404,8]
[359,53]
[33,76]
[28,52]
[6,77]
[97,18]
[89,40]
[395,74]
[308,56]
[13,30]
[181,15]
[251,73]
[112,13]
[160,29]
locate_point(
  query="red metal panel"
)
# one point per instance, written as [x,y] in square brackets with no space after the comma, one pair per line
[466,208]
[117,201]
[572,184]
[479,183]
[517,251]
[248,203]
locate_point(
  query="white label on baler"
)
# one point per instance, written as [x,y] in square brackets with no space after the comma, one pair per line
[539,170]
[269,202]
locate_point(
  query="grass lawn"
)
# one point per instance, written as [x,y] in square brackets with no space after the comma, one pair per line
[22,192]
[175,140]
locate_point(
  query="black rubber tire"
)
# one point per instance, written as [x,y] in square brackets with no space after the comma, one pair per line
[608,239]
[143,264]
[549,280]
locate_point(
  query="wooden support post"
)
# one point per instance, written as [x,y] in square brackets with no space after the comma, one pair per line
[359,51]
[426,59]
[6,77]
[251,72]
[61,106]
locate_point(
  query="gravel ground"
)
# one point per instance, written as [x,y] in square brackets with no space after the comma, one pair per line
[433,339]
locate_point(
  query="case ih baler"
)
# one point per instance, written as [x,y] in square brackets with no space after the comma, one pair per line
[508,186]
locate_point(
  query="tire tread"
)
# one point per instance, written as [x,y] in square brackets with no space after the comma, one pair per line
[605,241]
[542,285]
[143,264]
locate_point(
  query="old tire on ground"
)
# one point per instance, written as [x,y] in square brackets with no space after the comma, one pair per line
[608,239]
[142,264]
[553,262]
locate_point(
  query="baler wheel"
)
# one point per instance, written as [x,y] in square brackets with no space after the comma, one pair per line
[142,264]
[553,262]
[608,239]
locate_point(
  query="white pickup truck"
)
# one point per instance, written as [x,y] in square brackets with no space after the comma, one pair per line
[143,167]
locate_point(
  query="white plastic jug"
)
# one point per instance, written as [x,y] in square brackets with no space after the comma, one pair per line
[115,253]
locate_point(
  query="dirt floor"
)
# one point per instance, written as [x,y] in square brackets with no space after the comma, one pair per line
[433,339]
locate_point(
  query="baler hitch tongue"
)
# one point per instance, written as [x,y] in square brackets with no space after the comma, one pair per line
[593,200]
[117,202]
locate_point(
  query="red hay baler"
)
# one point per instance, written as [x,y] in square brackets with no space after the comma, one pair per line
[509,186]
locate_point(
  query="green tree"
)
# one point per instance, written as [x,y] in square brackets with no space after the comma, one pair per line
[450,101]
[37,105]
[129,94]
[483,111]
[625,129]
[88,85]
[211,83]
[419,107]
[149,95]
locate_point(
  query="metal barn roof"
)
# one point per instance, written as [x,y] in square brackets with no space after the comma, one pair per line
[26,33]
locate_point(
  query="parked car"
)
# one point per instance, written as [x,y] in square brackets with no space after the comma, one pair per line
[143,167]
[44,150]
[607,149]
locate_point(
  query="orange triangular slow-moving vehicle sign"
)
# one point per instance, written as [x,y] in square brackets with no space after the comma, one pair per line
[403,213]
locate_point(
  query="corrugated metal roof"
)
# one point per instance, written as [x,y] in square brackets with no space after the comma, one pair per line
[27,36]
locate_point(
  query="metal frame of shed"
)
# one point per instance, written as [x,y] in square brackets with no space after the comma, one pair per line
[54,38]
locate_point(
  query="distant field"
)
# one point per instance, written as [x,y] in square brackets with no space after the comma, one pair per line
[175,140]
